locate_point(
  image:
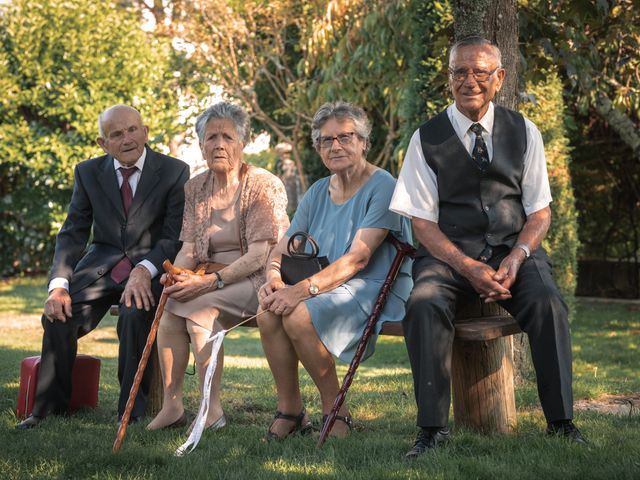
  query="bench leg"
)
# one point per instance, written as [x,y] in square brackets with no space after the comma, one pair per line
[482,381]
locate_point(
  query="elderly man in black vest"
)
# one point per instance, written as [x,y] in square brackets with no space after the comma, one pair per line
[474,182]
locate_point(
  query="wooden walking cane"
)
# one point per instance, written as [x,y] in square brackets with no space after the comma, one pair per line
[142,365]
[402,250]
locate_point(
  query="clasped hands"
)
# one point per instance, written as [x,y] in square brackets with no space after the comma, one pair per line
[494,285]
[188,285]
[279,298]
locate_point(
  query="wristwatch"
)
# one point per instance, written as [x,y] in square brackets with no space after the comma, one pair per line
[525,249]
[220,282]
[313,288]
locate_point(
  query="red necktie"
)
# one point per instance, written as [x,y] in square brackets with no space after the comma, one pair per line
[122,269]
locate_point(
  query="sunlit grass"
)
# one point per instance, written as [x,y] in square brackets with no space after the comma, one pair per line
[606,360]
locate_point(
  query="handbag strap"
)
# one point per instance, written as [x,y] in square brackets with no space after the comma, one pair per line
[308,238]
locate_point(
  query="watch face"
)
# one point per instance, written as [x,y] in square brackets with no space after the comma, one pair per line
[220,284]
[313,289]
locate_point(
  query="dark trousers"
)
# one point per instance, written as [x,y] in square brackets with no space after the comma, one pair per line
[536,305]
[60,345]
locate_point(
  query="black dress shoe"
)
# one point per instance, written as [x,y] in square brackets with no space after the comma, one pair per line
[29,422]
[428,439]
[566,429]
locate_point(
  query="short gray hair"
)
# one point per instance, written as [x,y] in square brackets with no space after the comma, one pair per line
[225,111]
[475,41]
[341,111]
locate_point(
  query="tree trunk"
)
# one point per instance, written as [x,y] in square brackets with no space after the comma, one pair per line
[497,20]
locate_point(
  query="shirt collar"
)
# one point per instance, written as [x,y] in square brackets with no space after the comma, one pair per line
[464,122]
[139,163]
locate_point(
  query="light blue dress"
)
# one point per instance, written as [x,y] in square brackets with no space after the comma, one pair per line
[340,315]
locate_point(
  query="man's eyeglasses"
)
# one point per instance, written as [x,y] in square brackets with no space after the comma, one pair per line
[480,76]
[343,139]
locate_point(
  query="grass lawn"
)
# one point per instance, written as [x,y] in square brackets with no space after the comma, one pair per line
[606,341]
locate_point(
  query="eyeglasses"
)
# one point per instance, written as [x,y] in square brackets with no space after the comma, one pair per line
[480,76]
[343,139]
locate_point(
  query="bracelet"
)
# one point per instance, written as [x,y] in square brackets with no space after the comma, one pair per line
[524,248]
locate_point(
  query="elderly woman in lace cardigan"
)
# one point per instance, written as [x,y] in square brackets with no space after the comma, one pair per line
[234,214]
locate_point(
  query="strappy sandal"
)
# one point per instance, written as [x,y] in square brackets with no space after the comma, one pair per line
[299,427]
[347,419]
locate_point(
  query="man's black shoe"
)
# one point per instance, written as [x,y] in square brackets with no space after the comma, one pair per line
[566,429]
[428,439]
[29,422]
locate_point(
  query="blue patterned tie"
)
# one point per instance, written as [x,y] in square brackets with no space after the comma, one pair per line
[480,154]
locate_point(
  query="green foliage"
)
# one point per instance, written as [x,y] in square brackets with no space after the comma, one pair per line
[546,110]
[61,63]
[427,89]
[594,45]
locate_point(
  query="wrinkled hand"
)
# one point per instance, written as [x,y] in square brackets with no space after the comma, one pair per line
[481,277]
[138,289]
[284,300]
[58,305]
[269,287]
[508,271]
[189,286]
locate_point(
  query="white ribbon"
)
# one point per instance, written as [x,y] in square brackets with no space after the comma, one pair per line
[198,424]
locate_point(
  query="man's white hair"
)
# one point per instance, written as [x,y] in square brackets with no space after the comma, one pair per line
[475,41]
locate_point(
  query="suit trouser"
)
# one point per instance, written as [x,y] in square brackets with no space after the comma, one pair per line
[60,345]
[429,330]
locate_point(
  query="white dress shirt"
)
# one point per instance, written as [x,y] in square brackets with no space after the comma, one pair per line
[61,282]
[416,192]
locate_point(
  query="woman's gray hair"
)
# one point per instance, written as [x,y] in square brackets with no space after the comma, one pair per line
[225,111]
[341,111]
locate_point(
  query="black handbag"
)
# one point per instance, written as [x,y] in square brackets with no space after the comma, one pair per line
[299,265]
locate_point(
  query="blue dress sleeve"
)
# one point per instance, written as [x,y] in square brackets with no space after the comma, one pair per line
[378,214]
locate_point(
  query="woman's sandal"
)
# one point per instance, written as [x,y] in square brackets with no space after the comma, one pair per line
[348,420]
[298,427]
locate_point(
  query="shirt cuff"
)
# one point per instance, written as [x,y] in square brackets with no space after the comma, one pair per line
[149,266]
[58,282]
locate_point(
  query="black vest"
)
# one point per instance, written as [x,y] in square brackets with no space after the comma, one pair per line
[478,209]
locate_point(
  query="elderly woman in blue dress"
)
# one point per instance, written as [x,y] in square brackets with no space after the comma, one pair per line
[325,315]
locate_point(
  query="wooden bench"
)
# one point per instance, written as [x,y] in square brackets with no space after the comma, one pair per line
[482,367]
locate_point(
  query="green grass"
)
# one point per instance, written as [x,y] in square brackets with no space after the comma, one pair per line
[606,360]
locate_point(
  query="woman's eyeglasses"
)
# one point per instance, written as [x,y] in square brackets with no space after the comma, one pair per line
[343,139]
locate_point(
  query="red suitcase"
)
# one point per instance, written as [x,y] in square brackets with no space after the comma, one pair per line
[85,380]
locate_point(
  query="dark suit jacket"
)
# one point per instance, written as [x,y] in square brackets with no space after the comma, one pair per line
[151,231]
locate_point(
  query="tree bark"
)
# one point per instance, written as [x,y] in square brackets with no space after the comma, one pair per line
[497,21]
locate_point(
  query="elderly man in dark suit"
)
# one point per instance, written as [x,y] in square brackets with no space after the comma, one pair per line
[475,184]
[129,203]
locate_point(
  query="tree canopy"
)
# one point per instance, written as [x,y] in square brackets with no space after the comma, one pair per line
[61,63]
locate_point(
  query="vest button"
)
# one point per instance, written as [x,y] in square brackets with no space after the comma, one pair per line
[101,271]
[489,235]
[486,208]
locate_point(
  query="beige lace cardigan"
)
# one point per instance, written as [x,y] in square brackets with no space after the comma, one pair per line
[262,213]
